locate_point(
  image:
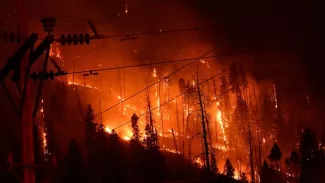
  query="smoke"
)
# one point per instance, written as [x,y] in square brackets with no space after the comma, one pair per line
[273,40]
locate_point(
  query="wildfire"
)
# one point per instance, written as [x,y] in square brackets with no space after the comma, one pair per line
[199,162]
[108,130]
[55,51]
[154,73]
[44,135]
[219,117]
[87,86]
[275,97]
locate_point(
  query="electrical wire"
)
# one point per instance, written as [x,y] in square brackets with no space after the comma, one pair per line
[131,36]
[170,100]
[162,32]
[140,65]
[177,70]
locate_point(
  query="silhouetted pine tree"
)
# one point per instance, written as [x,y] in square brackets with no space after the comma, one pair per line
[101,135]
[75,170]
[241,115]
[310,159]
[265,173]
[229,170]
[90,125]
[214,167]
[148,140]
[135,128]
[275,155]
[308,144]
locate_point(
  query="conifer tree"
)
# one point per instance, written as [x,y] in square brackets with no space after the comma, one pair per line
[150,139]
[308,144]
[308,148]
[135,128]
[241,115]
[275,155]
[229,170]
[90,124]
[224,92]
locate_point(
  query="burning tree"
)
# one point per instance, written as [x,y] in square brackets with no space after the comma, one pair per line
[151,138]
[135,128]
[224,92]
[229,170]
[233,78]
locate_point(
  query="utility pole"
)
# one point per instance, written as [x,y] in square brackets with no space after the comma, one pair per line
[26,103]
[205,140]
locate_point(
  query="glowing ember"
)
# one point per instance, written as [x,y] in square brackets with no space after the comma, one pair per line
[126,9]
[108,130]
[199,162]
[275,97]
[87,86]
[154,73]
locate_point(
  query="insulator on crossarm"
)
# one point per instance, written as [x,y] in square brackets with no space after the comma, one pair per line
[69,39]
[10,36]
[81,38]
[87,38]
[75,39]
[63,39]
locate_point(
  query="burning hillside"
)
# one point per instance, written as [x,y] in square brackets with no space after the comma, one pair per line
[231,112]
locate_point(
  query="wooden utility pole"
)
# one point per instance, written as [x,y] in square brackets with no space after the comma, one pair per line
[26,104]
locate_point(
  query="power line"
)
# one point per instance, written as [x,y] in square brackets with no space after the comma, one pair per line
[141,65]
[173,98]
[150,33]
[177,70]
[161,32]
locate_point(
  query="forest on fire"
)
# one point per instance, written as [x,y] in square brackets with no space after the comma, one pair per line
[142,101]
[259,141]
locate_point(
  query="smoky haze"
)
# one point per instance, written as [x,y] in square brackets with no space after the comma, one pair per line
[276,40]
